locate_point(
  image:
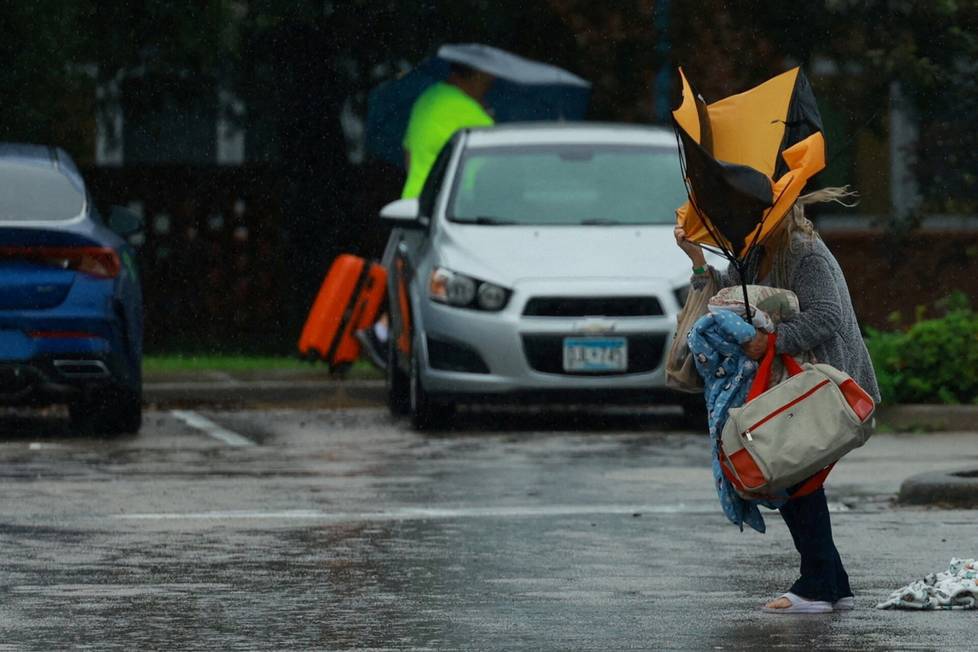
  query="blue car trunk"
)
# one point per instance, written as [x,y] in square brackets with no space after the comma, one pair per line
[36,266]
[26,285]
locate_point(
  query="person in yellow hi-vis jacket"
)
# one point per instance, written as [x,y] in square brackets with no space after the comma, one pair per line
[440,111]
[437,114]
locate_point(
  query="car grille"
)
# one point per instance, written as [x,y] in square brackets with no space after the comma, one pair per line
[593,307]
[545,353]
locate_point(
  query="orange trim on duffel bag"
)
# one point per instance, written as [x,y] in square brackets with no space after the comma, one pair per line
[739,486]
[747,470]
[858,399]
[812,484]
[728,474]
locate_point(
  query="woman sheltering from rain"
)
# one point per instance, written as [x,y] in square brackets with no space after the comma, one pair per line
[746,160]
[796,259]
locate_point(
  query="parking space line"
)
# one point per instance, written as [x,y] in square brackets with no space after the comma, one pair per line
[431,514]
[211,429]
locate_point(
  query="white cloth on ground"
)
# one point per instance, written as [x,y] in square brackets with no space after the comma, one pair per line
[955,589]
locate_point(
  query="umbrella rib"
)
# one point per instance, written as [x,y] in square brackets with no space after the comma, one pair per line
[712,250]
[767,213]
[742,266]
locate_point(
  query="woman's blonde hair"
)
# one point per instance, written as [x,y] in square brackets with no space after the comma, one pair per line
[796,224]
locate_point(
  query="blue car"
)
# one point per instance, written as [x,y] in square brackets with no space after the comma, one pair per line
[71,315]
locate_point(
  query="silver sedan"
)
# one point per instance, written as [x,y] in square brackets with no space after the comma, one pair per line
[538,262]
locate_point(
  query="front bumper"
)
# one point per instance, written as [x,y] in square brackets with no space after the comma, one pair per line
[523,354]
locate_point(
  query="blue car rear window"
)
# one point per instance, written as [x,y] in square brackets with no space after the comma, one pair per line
[37,193]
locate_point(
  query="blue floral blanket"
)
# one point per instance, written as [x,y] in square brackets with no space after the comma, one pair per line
[715,342]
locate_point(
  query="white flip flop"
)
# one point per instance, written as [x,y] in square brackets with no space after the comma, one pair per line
[844,604]
[800,605]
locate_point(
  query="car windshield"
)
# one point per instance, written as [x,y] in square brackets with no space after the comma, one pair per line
[37,193]
[590,184]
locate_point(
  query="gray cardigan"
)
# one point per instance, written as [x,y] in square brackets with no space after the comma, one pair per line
[826,323]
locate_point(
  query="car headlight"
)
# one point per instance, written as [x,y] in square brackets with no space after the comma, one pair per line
[491,297]
[681,294]
[454,289]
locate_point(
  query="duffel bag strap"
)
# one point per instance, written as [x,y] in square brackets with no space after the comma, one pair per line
[762,379]
[791,364]
[812,484]
[763,376]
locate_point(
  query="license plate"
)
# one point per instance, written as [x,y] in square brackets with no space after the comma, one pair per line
[595,354]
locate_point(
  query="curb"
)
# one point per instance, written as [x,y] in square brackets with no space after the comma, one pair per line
[304,393]
[929,417]
[954,489]
[300,389]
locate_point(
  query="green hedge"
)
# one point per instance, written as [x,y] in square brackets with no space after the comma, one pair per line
[932,361]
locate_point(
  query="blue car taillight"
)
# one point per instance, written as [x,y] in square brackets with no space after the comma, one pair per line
[101,262]
[62,335]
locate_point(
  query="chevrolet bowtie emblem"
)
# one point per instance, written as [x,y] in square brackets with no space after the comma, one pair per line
[594,326]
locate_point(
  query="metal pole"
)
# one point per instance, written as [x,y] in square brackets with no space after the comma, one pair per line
[663,48]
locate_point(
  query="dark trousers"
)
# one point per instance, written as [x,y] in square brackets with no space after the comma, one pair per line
[822,574]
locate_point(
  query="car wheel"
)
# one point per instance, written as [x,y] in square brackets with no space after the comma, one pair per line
[113,412]
[398,389]
[426,413]
[695,415]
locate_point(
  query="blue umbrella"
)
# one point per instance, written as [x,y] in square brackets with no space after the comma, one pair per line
[523,90]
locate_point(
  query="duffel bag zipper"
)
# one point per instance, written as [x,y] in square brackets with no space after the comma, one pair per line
[747,433]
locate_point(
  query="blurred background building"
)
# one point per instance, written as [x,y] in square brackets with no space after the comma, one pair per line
[236,127]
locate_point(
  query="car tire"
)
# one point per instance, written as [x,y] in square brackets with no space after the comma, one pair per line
[695,416]
[426,413]
[398,383]
[111,413]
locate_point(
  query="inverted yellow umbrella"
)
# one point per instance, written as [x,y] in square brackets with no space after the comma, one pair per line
[746,158]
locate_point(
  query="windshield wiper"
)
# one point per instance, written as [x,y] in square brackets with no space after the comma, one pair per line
[599,221]
[487,220]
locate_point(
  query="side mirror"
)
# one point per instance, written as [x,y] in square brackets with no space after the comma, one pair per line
[403,213]
[124,222]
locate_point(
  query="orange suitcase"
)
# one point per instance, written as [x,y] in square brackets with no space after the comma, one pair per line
[349,299]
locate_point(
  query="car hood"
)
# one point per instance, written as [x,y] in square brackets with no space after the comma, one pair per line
[509,254]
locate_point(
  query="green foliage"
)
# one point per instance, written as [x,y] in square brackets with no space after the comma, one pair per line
[43,80]
[244,366]
[934,360]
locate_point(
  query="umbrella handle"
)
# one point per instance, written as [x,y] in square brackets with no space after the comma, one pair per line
[747,314]
[741,270]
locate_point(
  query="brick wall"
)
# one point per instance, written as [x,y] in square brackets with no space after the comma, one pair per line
[886,275]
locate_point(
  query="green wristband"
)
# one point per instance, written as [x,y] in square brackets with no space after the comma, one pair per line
[699,270]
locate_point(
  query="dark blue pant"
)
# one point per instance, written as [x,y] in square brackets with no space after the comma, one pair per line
[822,574]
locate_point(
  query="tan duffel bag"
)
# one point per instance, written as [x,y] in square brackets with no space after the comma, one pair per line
[794,431]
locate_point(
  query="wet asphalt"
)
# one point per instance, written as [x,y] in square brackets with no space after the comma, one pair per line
[520,530]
